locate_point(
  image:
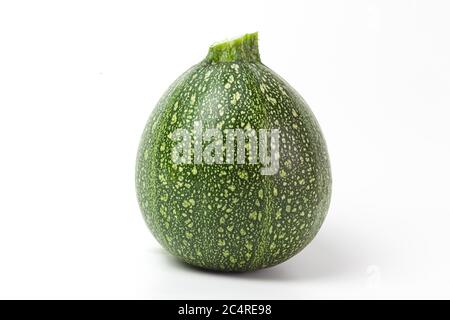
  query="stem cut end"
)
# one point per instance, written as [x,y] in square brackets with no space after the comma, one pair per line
[244,48]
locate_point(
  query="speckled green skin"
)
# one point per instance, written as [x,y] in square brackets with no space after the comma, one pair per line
[230,217]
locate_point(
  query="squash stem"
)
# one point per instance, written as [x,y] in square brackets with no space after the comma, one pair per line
[244,48]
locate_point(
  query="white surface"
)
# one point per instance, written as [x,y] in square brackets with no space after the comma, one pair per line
[78,80]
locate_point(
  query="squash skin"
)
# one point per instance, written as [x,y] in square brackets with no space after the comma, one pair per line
[230,217]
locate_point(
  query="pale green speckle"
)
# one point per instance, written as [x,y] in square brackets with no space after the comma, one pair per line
[261,193]
[243,174]
[278,215]
[272,100]
[235,98]
[193,97]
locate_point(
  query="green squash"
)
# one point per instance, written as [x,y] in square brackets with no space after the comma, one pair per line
[213,209]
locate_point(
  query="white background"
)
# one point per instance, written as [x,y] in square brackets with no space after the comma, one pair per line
[78,80]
